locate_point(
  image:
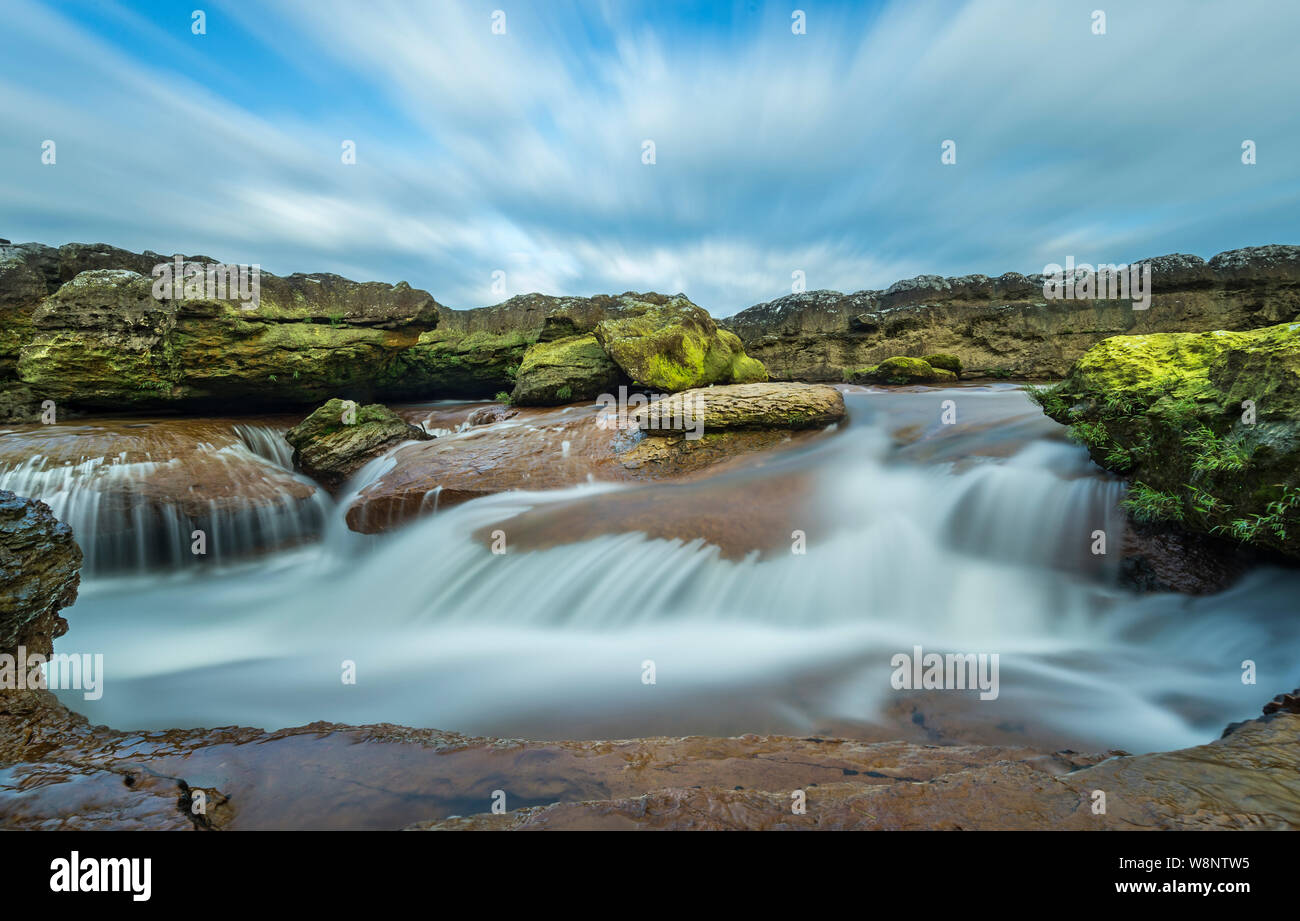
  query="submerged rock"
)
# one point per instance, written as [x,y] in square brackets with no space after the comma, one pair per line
[487,415]
[1206,427]
[339,437]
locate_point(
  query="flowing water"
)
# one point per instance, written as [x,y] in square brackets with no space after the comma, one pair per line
[972,538]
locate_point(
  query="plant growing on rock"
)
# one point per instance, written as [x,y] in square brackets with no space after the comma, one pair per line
[1168,410]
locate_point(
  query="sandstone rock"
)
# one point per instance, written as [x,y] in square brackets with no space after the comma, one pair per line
[39,573]
[1170,412]
[737,406]
[1216,786]
[569,370]
[1008,328]
[676,346]
[486,415]
[339,437]
[102,340]
[134,490]
[552,449]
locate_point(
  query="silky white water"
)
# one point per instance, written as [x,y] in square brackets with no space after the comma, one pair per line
[973,539]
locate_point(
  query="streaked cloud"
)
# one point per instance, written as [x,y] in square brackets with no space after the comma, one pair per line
[775,152]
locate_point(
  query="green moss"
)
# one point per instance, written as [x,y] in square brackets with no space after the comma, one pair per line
[945,361]
[564,370]
[676,346]
[903,369]
[1170,411]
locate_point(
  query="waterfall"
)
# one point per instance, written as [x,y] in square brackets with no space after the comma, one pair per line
[959,540]
[139,509]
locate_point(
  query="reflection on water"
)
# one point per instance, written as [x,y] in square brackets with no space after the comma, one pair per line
[970,538]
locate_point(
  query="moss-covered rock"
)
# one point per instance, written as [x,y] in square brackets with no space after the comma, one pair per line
[945,362]
[1006,326]
[786,406]
[102,340]
[565,370]
[676,346]
[337,438]
[1206,426]
[904,370]
[453,363]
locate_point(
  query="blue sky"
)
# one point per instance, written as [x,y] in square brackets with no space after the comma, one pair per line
[775,152]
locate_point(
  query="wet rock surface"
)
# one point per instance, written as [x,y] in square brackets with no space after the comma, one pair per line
[386,776]
[136,489]
[1213,786]
[40,567]
[542,449]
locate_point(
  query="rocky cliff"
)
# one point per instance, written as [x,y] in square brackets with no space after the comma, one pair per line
[85,327]
[1005,326]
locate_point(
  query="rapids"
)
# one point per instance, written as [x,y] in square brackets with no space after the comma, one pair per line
[966,538]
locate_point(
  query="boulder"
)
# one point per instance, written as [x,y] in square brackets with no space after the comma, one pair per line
[487,415]
[1206,427]
[339,437]
[676,346]
[903,370]
[569,370]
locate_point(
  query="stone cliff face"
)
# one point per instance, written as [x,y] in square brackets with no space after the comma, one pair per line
[1005,326]
[82,327]
[102,339]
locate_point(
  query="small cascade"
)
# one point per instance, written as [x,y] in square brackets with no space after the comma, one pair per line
[970,540]
[222,496]
[267,442]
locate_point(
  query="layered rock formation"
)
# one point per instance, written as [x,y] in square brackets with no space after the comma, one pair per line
[1005,327]
[40,566]
[85,327]
[1206,427]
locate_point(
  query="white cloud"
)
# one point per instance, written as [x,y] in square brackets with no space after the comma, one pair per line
[775,152]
